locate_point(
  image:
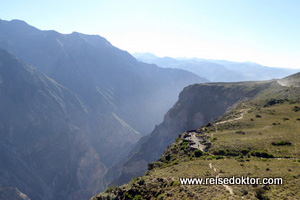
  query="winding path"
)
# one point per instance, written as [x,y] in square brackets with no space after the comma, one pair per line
[235,119]
[230,120]
[227,187]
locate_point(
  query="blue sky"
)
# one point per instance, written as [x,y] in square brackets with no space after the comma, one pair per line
[262,31]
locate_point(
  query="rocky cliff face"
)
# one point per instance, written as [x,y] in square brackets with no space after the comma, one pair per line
[197,105]
[44,149]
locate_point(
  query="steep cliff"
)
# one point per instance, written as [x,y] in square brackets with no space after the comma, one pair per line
[197,105]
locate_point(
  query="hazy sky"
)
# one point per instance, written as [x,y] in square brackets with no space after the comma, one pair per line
[262,31]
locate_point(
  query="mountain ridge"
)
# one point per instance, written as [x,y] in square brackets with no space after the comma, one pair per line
[48,54]
[219,70]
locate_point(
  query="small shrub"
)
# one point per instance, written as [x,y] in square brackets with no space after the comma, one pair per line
[198,153]
[259,193]
[213,139]
[219,152]
[141,182]
[184,145]
[150,166]
[110,189]
[128,196]
[266,155]
[210,157]
[168,157]
[218,157]
[262,154]
[296,108]
[175,183]
[281,143]
[240,132]
[174,163]
[258,116]
[245,151]
[160,196]
[244,192]
[232,153]
[273,102]
[285,118]
[208,124]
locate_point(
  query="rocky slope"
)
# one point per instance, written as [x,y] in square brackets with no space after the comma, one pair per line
[44,149]
[197,105]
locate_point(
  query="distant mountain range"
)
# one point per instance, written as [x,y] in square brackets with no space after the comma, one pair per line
[218,70]
[71,106]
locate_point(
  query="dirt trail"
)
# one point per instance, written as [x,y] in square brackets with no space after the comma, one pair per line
[227,187]
[235,119]
[281,84]
[231,120]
